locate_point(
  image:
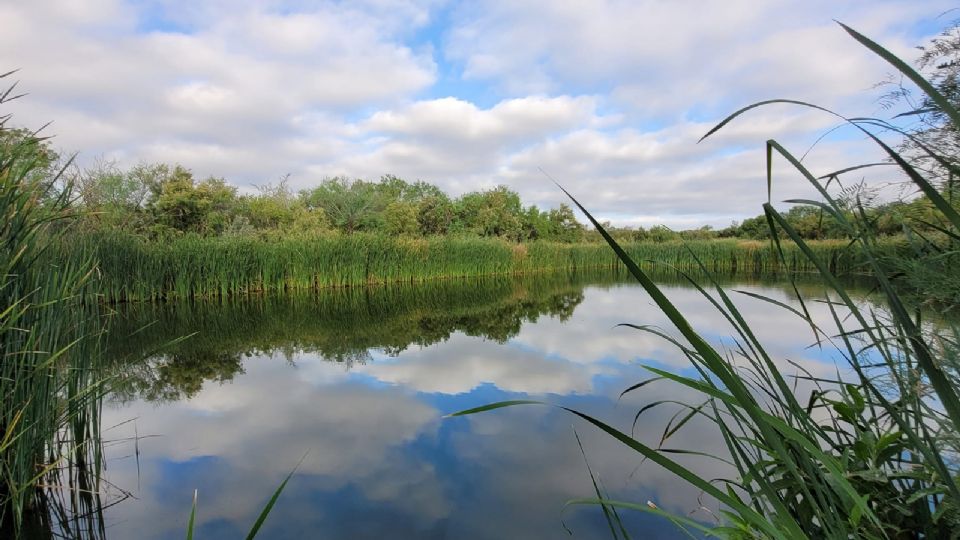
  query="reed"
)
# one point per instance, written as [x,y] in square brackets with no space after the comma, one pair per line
[133,269]
[335,324]
[870,454]
[49,385]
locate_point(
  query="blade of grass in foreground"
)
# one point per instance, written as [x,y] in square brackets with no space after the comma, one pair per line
[193,516]
[728,499]
[769,428]
[273,500]
[263,513]
[610,513]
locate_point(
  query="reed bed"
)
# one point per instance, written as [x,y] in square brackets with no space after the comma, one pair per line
[151,362]
[132,269]
[50,388]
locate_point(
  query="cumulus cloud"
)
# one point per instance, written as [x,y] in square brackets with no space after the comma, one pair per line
[241,83]
[462,364]
[608,96]
[380,449]
[255,429]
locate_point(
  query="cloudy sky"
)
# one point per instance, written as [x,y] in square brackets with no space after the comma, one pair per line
[607,96]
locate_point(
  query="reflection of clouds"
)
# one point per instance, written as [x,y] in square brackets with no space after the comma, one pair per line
[463,363]
[591,334]
[379,453]
[562,357]
[257,429]
[529,453]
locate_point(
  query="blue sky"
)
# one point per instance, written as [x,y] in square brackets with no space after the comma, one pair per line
[608,96]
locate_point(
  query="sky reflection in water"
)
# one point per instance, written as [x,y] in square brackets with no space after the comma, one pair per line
[361,379]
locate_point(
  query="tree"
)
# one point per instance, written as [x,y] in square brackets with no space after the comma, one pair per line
[495,212]
[38,157]
[661,233]
[222,205]
[178,206]
[932,130]
[351,206]
[275,207]
[564,226]
[114,196]
[435,214]
[400,218]
[535,224]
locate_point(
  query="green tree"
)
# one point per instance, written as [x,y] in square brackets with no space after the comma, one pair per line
[660,233]
[310,221]
[274,207]
[178,206]
[222,206]
[435,214]
[351,206]
[495,212]
[400,218]
[42,158]
[116,198]
[564,226]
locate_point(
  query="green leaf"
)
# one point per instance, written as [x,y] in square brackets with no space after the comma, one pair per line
[193,515]
[273,500]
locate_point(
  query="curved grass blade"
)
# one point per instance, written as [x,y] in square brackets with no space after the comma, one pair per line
[610,513]
[939,99]
[193,516]
[497,405]
[640,384]
[756,519]
[273,500]
[837,173]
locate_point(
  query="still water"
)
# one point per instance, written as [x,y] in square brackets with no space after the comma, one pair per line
[359,381]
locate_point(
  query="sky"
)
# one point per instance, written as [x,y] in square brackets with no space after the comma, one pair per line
[607,97]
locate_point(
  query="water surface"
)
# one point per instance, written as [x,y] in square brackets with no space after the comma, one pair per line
[360,379]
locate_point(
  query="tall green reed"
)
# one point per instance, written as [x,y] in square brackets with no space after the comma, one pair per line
[49,386]
[133,269]
[871,454]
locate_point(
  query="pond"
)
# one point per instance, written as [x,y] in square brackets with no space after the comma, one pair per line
[356,383]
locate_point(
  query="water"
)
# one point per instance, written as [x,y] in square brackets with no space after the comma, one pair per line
[359,380]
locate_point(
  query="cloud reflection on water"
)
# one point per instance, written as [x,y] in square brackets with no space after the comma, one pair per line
[381,460]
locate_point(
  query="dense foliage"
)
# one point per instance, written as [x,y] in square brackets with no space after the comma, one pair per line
[49,384]
[132,269]
[162,201]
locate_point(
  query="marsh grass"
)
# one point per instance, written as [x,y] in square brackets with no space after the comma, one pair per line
[132,269]
[49,350]
[869,455]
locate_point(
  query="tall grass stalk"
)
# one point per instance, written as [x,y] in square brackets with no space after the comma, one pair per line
[871,454]
[49,388]
[132,269]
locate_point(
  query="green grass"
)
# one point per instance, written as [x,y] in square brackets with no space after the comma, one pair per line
[132,269]
[49,352]
[872,454]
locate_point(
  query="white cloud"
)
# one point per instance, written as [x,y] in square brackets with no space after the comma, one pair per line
[462,364]
[386,442]
[609,96]
[258,427]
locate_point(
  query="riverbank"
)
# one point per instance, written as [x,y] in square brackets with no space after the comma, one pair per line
[132,269]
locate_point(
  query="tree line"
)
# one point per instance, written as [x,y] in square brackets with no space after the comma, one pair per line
[160,201]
